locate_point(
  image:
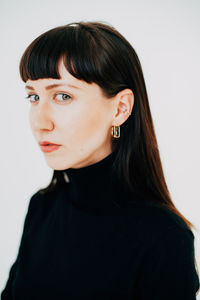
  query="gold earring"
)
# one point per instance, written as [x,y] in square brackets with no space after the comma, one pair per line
[115,131]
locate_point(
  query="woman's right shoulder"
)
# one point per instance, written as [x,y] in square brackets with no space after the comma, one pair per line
[42,201]
[39,196]
[38,206]
[35,199]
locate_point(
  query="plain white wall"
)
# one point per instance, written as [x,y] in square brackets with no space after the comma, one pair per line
[165,35]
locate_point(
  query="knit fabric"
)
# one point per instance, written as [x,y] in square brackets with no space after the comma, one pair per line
[91,239]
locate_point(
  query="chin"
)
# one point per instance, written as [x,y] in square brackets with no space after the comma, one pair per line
[57,164]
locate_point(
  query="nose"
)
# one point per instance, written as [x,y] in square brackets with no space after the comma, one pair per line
[41,117]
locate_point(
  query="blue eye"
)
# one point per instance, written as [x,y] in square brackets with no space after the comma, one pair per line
[32,98]
[62,96]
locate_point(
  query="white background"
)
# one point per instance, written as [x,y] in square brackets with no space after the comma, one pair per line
[166,37]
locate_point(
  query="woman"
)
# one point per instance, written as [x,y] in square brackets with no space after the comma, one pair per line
[105,227]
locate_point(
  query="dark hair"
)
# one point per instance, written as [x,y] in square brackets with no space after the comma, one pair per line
[97,52]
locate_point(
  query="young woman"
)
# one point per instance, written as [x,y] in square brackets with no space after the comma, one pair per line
[105,227]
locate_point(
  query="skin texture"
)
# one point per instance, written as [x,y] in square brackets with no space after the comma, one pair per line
[80,122]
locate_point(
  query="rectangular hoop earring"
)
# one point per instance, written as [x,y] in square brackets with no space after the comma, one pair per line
[115,131]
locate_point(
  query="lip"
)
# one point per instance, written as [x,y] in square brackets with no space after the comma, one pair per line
[47,146]
[43,143]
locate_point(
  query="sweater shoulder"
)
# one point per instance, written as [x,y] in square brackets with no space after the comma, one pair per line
[40,199]
[154,220]
[39,202]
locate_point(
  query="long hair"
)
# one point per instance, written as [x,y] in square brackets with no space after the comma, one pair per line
[97,52]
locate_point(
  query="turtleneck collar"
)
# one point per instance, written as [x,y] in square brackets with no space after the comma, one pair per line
[94,187]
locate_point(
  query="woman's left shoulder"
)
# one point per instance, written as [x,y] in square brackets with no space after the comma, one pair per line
[167,257]
[155,219]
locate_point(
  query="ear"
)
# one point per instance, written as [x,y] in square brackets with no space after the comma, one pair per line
[123,105]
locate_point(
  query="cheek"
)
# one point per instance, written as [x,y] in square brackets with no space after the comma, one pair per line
[31,119]
[85,126]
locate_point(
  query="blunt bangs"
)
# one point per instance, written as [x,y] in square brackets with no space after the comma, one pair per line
[40,59]
[86,53]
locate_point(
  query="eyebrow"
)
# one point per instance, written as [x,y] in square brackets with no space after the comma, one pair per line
[51,86]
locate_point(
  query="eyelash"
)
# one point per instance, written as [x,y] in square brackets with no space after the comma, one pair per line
[29,97]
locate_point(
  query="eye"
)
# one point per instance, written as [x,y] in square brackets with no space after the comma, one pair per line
[62,96]
[32,98]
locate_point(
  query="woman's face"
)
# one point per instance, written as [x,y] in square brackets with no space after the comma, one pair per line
[77,118]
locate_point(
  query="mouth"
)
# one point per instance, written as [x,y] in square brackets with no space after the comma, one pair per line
[49,147]
[47,143]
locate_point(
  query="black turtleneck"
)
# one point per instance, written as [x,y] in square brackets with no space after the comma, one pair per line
[90,239]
